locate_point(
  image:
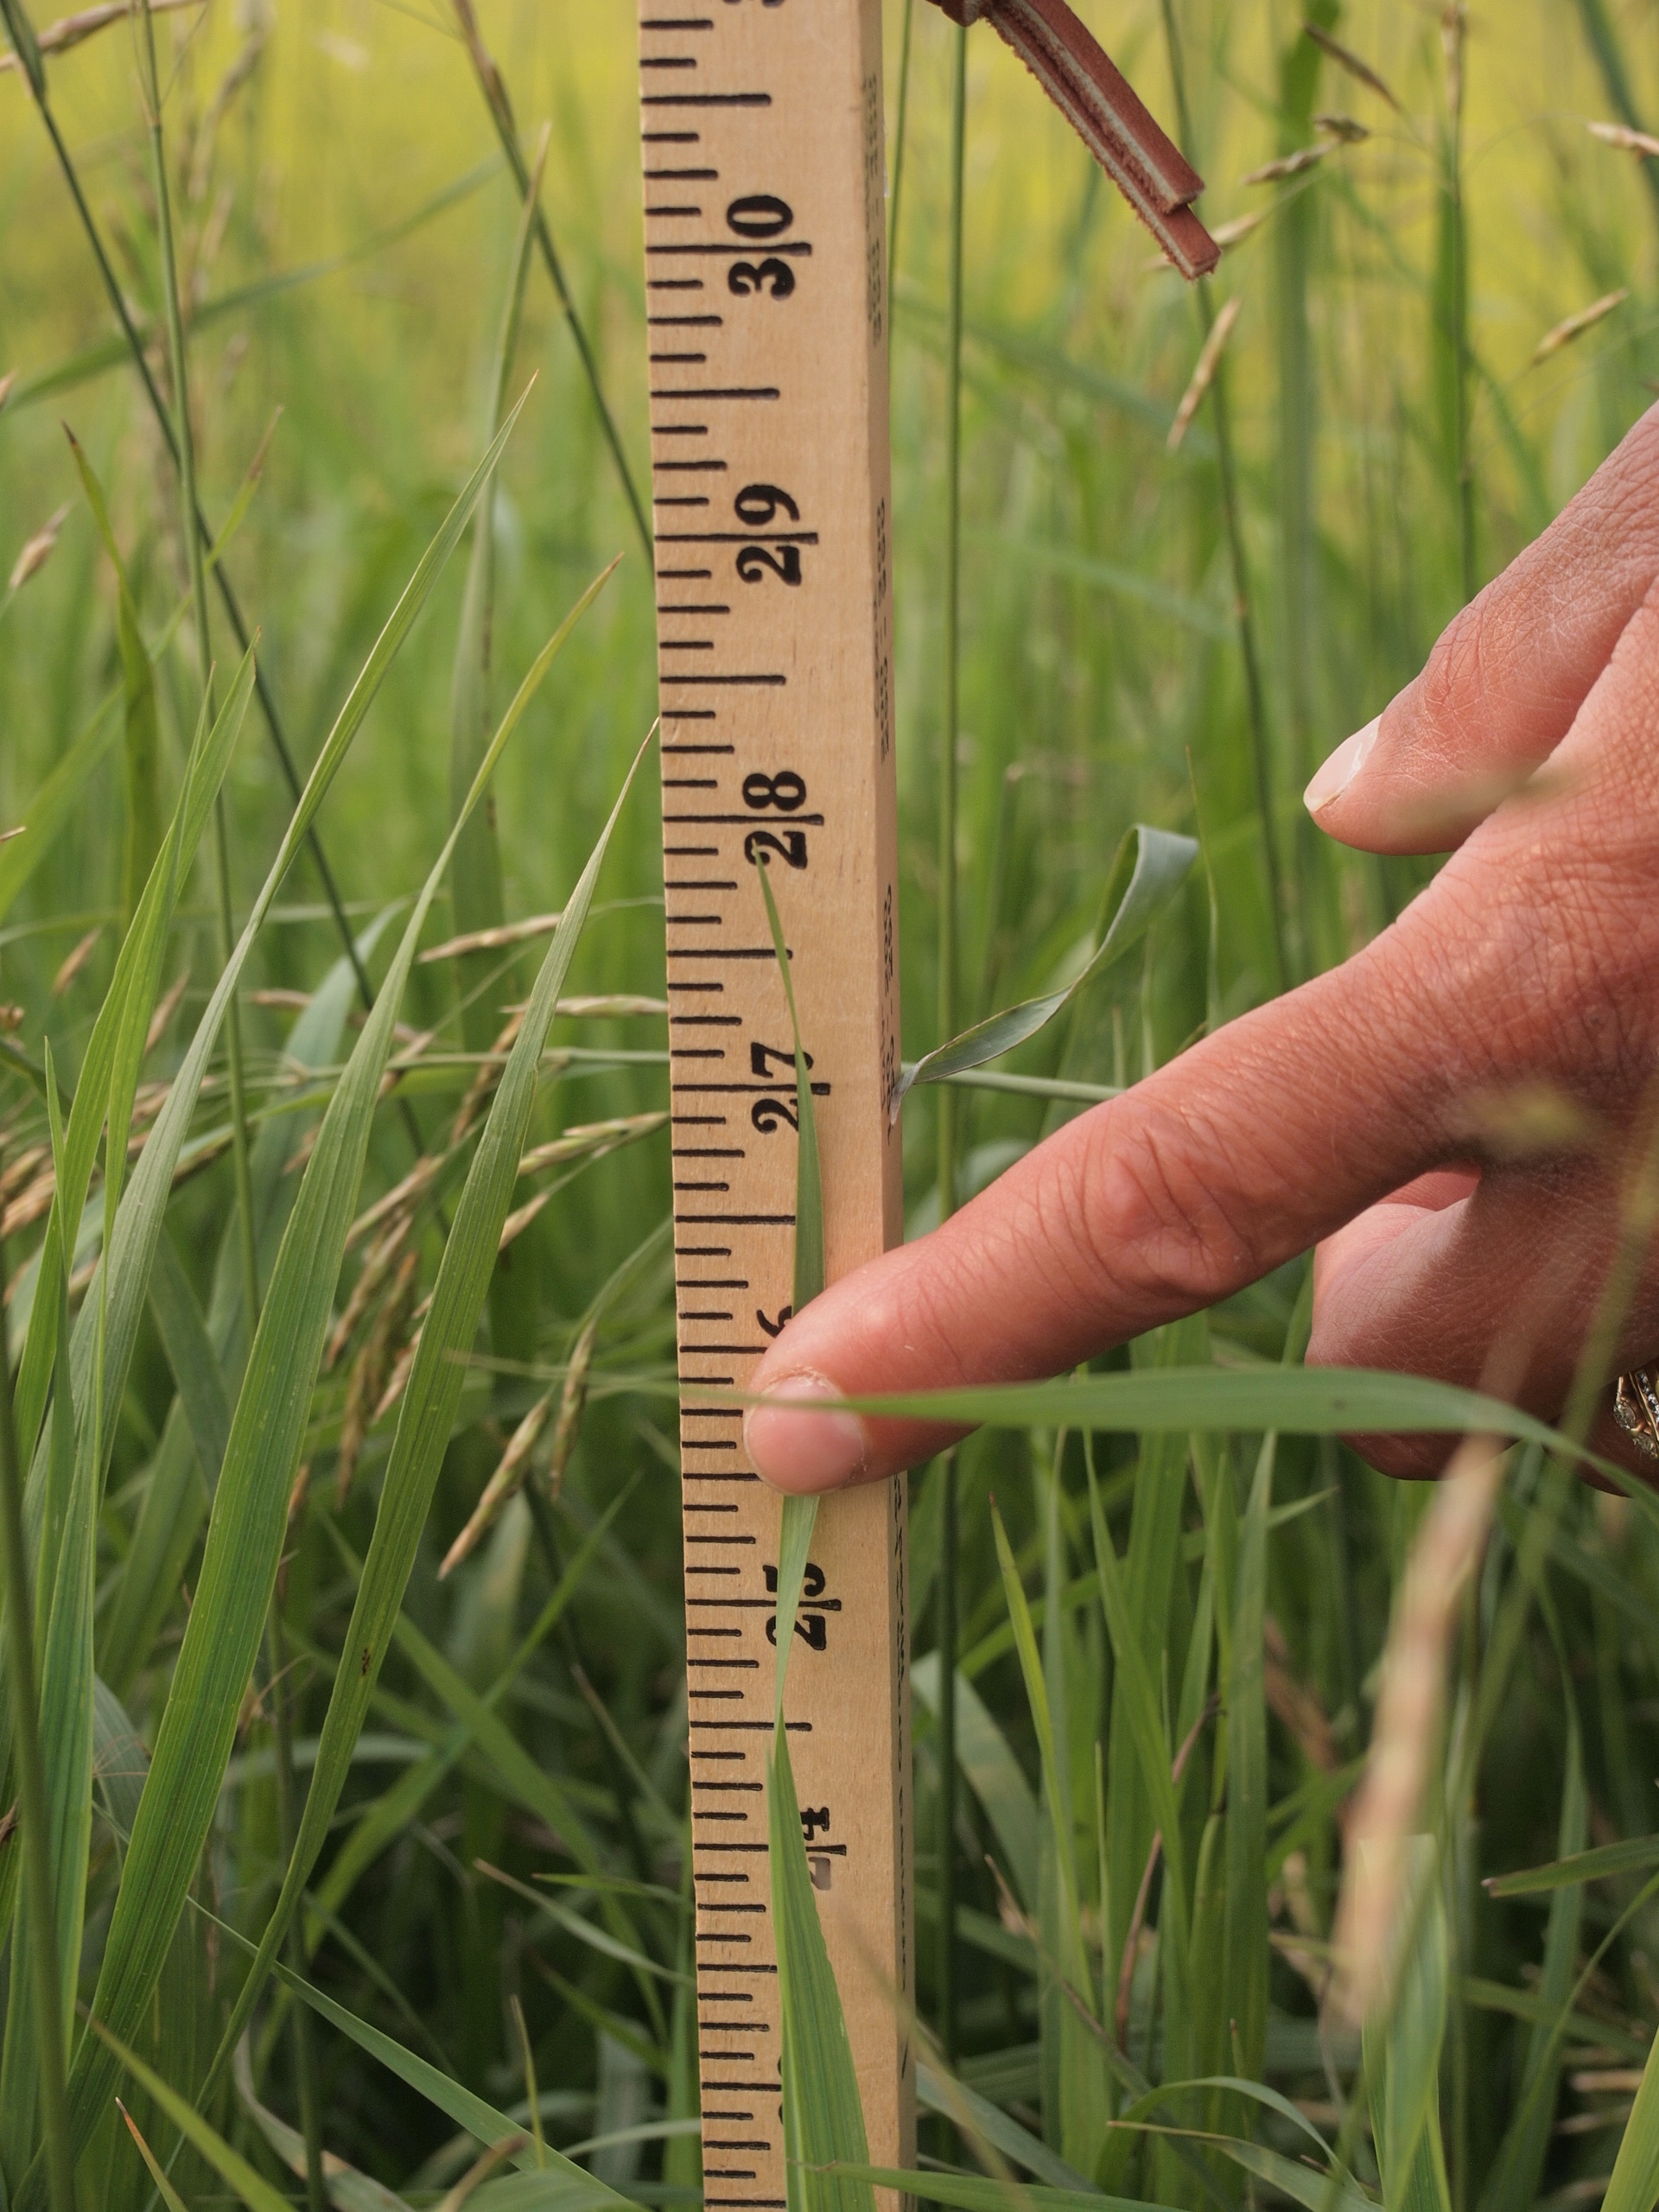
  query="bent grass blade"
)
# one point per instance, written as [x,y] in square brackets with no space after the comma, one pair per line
[1149,869]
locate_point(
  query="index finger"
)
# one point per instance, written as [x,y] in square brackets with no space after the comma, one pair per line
[1227,1162]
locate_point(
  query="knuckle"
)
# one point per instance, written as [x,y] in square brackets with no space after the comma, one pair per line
[1142,1212]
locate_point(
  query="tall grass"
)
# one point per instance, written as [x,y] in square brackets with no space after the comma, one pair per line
[294,1325]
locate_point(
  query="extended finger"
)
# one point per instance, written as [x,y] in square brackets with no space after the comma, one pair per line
[1503,684]
[1224,1164]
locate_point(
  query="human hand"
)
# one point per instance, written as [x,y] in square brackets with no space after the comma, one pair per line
[1364,1112]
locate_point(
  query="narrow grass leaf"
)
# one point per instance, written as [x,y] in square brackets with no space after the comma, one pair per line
[244,1535]
[1302,2184]
[809,1181]
[190,1354]
[55,801]
[1149,868]
[141,728]
[427,1413]
[20,32]
[1635,2183]
[823,2119]
[1517,2170]
[978,2116]
[251,2188]
[115,1051]
[347,2188]
[1246,1960]
[1070,1962]
[441,2090]
[1633,1855]
[387,1818]
[1297,1401]
[1403,2049]
[993,1774]
[164,2189]
[477,872]
[972,2193]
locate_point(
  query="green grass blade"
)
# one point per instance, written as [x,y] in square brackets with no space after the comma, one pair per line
[20,32]
[164,2189]
[1297,1401]
[484,984]
[194,1362]
[447,2096]
[177,1495]
[65,1708]
[347,2188]
[55,801]
[109,1072]
[809,1181]
[1518,2171]
[1633,1855]
[428,1411]
[1402,2051]
[1134,1699]
[972,2193]
[823,2119]
[1245,1958]
[143,732]
[250,1511]
[1635,2183]
[993,1774]
[976,2116]
[1149,869]
[1303,2185]
[1070,1962]
[251,2188]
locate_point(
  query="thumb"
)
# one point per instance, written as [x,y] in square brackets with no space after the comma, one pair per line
[1503,685]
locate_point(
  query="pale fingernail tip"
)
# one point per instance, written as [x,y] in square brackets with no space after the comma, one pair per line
[800,1450]
[1334,775]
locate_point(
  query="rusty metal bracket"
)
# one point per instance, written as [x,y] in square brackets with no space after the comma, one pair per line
[1107,113]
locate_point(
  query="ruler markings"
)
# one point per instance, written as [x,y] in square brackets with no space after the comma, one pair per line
[767,304]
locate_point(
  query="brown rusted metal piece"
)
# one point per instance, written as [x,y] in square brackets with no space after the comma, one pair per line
[1104,110]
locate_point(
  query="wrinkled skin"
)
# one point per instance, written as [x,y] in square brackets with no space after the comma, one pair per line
[1365,1113]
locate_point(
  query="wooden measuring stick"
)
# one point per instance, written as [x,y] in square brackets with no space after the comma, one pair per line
[766,305]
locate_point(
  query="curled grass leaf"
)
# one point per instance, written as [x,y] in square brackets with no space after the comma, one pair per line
[1149,869]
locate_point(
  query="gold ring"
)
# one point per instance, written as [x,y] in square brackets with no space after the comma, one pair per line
[1635,1408]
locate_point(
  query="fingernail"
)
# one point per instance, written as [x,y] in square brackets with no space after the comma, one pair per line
[797,1450]
[1336,774]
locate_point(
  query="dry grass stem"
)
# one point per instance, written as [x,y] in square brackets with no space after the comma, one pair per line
[70,30]
[1389,1802]
[1288,165]
[37,552]
[76,961]
[1574,326]
[1628,140]
[495,940]
[1345,57]
[368,1374]
[166,1008]
[1204,373]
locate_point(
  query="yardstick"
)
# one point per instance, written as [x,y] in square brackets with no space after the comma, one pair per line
[767,310]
